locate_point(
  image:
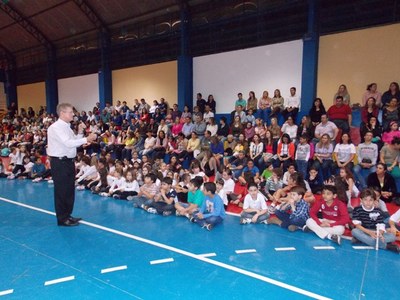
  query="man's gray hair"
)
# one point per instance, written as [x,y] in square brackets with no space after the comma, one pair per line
[62,107]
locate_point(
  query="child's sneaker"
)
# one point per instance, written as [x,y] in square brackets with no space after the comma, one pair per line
[116,196]
[152,210]
[245,221]
[177,213]
[306,229]
[271,209]
[209,227]
[80,187]
[192,219]
[167,213]
[129,198]
[336,239]
[104,194]
[50,181]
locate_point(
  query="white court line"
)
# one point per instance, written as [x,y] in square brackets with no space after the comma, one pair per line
[207,254]
[324,248]
[363,248]
[161,261]
[245,251]
[59,280]
[189,254]
[285,249]
[6,292]
[113,269]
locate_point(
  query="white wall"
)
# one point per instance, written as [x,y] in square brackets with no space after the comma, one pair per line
[81,91]
[271,67]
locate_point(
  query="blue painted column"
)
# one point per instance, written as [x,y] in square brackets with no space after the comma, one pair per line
[185,64]
[51,82]
[105,75]
[310,60]
[10,83]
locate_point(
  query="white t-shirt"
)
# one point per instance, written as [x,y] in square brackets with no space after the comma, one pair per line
[223,196]
[229,185]
[344,151]
[258,204]
[395,217]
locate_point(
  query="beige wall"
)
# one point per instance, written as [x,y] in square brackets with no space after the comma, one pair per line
[33,94]
[356,59]
[150,82]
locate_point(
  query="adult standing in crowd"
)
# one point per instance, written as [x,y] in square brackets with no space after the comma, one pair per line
[62,144]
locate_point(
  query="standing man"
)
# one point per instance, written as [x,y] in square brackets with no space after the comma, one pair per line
[62,144]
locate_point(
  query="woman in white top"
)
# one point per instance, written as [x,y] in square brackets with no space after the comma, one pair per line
[290,128]
[256,149]
[344,153]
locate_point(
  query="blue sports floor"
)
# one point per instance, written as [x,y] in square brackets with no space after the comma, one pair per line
[34,252]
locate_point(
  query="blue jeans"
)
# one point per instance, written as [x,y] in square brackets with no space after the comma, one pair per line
[263,114]
[361,174]
[249,215]
[325,169]
[138,201]
[302,167]
[367,239]
[342,124]
[213,220]
[287,221]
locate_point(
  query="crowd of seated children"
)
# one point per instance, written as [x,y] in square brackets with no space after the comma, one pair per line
[252,144]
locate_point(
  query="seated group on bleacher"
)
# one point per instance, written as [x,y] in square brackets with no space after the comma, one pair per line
[261,162]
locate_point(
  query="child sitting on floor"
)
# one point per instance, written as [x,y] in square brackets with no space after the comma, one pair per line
[273,183]
[163,202]
[294,213]
[334,216]
[368,221]
[195,199]
[255,208]
[129,188]
[147,192]
[221,192]
[212,210]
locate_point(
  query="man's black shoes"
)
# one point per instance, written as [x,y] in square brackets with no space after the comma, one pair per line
[68,223]
[75,219]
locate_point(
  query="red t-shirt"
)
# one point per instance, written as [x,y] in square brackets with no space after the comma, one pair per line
[337,211]
[339,113]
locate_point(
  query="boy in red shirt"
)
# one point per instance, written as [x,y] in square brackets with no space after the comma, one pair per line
[334,216]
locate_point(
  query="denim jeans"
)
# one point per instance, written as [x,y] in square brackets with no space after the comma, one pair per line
[138,201]
[302,166]
[287,221]
[324,169]
[249,215]
[361,174]
[342,124]
[367,239]
[213,220]
[263,114]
